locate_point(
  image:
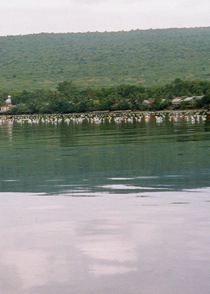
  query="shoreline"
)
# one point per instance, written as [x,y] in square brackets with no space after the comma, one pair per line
[108,112]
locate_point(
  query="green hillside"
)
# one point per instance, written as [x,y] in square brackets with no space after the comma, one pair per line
[149,57]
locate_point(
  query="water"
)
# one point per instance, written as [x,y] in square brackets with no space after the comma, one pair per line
[105,207]
[66,158]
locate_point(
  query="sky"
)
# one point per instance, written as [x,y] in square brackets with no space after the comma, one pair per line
[62,16]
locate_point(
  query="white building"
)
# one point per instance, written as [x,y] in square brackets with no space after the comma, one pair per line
[8,105]
[176,100]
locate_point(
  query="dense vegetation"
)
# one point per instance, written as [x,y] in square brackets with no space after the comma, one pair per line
[109,59]
[69,98]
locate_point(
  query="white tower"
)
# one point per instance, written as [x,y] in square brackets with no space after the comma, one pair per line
[8,101]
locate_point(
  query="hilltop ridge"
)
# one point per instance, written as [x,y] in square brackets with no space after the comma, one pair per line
[147,57]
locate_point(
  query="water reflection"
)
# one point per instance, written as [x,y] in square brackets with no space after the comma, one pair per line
[108,244]
[119,208]
[86,156]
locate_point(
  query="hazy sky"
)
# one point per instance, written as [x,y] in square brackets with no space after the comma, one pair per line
[35,16]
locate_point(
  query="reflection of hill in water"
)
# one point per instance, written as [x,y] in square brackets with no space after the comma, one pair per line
[106,157]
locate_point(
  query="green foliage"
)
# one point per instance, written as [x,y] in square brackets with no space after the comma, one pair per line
[141,57]
[3,97]
[70,98]
[68,89]
[205,101]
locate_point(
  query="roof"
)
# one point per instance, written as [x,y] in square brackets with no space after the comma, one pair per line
[148,101]
[189,99]
[177,100]
[198,97]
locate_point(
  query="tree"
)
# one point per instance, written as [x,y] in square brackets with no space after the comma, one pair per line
[67,89]
[205,101]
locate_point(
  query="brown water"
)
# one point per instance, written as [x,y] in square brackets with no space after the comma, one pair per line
[106,208]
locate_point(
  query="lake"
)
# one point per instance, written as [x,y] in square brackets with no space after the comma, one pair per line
[105,204]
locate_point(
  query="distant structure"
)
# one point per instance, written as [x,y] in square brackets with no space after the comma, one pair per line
[8,105]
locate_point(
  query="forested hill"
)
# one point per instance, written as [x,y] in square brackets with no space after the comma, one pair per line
[104,59]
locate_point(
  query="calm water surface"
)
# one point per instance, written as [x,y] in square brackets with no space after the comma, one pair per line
[105,208]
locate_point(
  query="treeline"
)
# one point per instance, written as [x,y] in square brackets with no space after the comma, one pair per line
[69,98]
